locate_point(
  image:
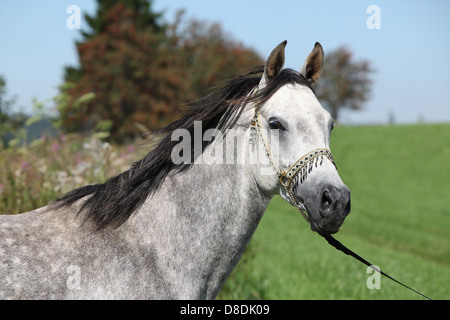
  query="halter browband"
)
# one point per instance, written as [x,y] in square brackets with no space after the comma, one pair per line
[299,170]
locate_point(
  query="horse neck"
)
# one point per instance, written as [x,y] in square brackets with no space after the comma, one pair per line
[201,221]
[214,198]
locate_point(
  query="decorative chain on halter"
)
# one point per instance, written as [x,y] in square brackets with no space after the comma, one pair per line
[299,170]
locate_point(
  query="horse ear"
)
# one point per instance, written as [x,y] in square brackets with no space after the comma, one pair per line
[313,64]
[274,64]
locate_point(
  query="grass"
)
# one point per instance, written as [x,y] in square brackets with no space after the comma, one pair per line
[400,221]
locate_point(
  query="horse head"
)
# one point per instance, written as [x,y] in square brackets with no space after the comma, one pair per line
[294,130]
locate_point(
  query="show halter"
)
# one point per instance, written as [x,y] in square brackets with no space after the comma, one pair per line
[299,171]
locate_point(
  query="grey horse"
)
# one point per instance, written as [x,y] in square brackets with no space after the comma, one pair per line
[176,223]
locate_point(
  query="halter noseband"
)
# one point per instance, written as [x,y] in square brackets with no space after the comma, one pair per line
[304,166]
[299,170]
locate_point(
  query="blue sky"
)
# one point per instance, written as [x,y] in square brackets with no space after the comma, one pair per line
[410,52]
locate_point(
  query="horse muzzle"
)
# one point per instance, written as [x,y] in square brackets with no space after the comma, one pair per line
[328,208]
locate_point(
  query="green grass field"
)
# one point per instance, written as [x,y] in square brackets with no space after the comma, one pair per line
[399,177]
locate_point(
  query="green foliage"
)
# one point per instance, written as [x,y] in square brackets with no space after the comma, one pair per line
[8,121]
[5,102]
[400,221]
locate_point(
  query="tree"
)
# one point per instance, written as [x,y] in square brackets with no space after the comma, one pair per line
[5,103]
[9,122]
[210,55]
[136,70]
[344,82]
[119,63]
[143,17]
[101,22]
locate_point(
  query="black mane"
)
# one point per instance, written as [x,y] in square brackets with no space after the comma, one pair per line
[113,202]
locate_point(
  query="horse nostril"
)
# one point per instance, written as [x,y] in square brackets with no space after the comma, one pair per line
[325,201]
[334,201]
[347,207]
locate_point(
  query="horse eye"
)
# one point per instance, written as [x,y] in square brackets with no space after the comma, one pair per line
[332,126]
[275,124]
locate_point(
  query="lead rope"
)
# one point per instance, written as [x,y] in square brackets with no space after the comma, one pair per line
[304,166]
[339,246]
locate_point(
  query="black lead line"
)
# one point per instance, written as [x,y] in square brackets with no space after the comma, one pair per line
[339,246]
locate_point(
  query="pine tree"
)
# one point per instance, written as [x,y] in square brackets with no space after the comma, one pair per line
[123,62]
[143,16]
[99,23]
